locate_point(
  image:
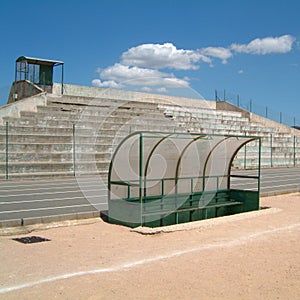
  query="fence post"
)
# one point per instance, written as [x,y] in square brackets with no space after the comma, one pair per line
[271,149]
[44,81]
[294,151]
[74,152]
[245,158]
[15,92]
[280,117]
[31,86]
[141,176]
[6,150]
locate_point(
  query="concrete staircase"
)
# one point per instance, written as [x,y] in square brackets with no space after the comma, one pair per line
[74,135]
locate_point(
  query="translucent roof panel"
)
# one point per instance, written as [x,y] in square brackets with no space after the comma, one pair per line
[148,157]
[152,174]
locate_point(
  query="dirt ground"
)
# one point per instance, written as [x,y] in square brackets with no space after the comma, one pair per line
[253,257]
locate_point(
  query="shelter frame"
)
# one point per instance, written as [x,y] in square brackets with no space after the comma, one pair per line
[139,196]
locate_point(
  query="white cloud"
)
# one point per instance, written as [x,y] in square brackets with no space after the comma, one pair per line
[160,56]
[119,74]
[282,44]
[109,83]
[141,65]
[218,52]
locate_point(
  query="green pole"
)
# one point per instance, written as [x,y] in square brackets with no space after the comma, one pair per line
[245,157]
[62,79]
[6,150]
[15,92]
[74,152]
[44,81]
[294,151]
[259,166]
[31,83]
[280,117]
[271,149]
[141,176]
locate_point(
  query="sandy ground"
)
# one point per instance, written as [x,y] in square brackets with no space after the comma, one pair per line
[255,257]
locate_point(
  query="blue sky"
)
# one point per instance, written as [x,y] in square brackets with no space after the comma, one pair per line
[249,48]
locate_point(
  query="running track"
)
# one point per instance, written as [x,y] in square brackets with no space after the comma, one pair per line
[51,197]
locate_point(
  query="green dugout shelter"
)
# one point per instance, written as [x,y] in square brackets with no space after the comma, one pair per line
[158,179]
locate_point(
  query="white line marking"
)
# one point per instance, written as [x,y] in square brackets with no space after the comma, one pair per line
[49,208]
[129,265]
[50,200]
[263,186]
[50,187]
[49,193]
[47,181]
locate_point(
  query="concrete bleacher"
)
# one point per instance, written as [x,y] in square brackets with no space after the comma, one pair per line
[76,133]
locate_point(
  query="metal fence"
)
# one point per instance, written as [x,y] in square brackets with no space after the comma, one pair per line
[70,150]
[264,111]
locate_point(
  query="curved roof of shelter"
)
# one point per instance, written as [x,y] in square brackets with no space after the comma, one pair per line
[223,149]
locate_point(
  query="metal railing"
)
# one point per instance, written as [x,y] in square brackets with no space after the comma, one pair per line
[273,149]
[251,106]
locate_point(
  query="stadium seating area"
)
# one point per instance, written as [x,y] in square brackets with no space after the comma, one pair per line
[66,135]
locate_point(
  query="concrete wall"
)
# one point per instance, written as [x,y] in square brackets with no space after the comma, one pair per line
[86,91]
[28,104]
[23,89]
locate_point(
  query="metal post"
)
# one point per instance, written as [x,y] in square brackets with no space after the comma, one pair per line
[280,116]
[44,81]
[245,157]
[216,96]
[141,176]
[224,95]
[15,92]
[250,105]
[31,86]
[33,75]
[271,149]
[62,79]
[294,151]
[259,166]
[74,151]
[6,150]
[16,71]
